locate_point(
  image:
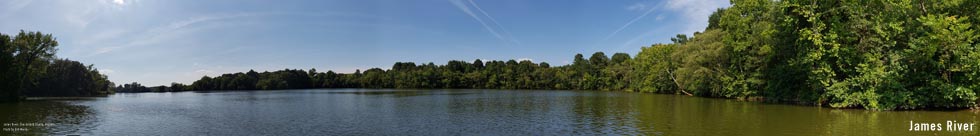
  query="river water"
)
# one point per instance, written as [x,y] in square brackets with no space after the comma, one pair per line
[450,112]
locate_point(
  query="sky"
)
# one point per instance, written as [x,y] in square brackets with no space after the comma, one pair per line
[157,42]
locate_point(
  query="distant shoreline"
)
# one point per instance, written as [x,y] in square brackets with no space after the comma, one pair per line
[63,98]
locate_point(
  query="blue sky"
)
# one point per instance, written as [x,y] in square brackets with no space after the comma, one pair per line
[156,42]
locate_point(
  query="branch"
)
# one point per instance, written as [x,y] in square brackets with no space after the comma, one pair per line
[671,75]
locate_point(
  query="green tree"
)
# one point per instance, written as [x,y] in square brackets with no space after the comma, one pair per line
[65,77]
[619,58]
[599,60]
[31,53]
[702,65]
[653,69]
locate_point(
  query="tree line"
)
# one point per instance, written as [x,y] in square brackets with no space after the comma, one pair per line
[29,68]
[599,72]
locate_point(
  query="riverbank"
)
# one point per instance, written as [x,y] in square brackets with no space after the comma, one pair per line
[63,98]
[757,99]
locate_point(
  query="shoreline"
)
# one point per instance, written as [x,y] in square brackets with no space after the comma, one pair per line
[62,98]
[760,100]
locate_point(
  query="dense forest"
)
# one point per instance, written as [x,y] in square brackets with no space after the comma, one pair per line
[599,72]
[879,55]
[28,67]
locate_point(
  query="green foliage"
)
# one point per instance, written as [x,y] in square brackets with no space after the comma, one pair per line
[878,55]
[620,58]
[25,58]
[132,87]
[940,61]
[680,39]
[28,68]
[702,64]
[653,69]
[607,74]
[7,67]
[750,27]
[599,60]
[71,78]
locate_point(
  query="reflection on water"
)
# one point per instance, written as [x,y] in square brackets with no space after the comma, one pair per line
[453,112]
[405,93]
[46,117]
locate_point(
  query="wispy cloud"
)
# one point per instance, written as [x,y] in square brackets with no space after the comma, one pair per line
[694,12]
[466,9]
[152,35]
[157,34]
[14,5]
[637,7]
[642,36]
[83,14]
[102,36]
[634,7]
[494,21]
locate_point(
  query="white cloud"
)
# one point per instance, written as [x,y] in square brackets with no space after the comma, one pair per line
[119,2]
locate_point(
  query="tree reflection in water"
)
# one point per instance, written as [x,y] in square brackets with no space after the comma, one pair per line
[49,118]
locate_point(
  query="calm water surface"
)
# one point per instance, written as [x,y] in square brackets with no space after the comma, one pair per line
[450,112]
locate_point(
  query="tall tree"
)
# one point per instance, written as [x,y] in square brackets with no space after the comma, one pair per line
[31,53]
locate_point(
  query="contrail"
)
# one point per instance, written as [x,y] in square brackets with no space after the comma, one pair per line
[495,23]
[630,23]
[467,10]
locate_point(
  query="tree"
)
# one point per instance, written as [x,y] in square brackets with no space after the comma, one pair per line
[31,51]
[65,77]
[715,18]
[132,88]
[680,39]
[620,58]
[478,64]
[750,26]
[599,60]
[702,64]
[653,69]
[7,75]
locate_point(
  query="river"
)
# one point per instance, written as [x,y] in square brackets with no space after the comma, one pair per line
[449,112]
